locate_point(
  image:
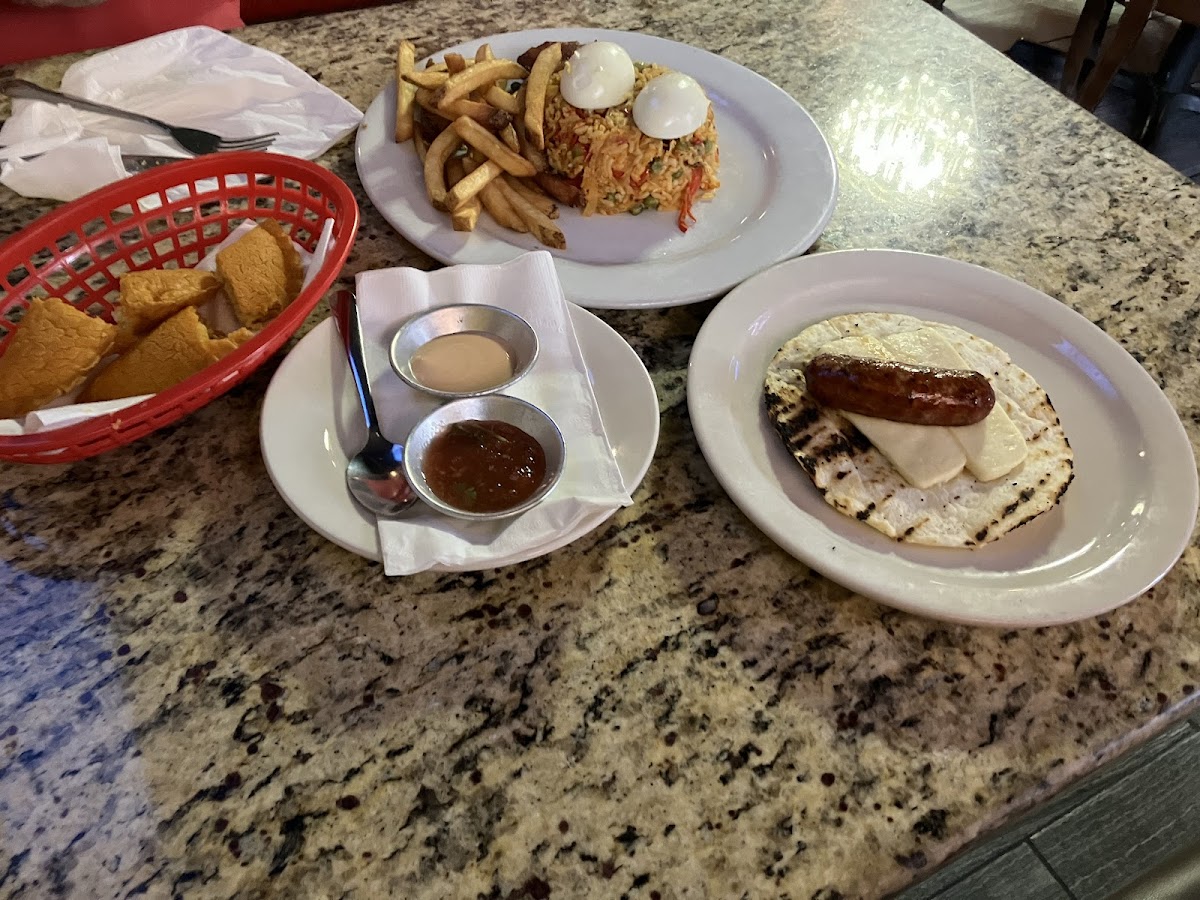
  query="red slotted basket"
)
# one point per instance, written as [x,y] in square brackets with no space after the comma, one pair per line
[169,217]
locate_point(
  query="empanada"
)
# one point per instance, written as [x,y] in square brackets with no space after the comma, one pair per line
[177,349]
[262,272]
[151,297]
[54,349]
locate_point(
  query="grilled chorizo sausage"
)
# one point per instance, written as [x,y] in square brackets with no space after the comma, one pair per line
[899,392]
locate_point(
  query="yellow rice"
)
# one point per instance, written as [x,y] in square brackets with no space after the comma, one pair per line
[622,169]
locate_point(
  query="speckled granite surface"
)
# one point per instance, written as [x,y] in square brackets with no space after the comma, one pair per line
[200,697]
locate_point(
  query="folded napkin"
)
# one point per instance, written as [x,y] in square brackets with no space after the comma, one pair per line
[558,384]
[216,314]
[197,77]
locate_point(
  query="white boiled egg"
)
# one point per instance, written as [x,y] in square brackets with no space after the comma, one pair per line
[670,106]
[597,76]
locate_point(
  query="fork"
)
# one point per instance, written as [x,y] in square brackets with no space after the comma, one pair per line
[194,140]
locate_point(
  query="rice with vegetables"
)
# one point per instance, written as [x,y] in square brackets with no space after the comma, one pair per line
[620,169]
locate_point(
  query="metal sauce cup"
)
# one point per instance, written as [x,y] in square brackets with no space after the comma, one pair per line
[511,330]
[495,407]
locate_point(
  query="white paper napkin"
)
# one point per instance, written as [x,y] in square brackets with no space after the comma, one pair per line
[558,384]
[216,314]
[197,77]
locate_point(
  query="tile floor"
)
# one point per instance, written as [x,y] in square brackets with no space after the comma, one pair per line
[1134,812]
[1092,839]
[1035,34]
[1179,143]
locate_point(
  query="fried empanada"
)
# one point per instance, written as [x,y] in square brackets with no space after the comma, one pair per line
[262,273]
[54,349]
[177,349]
[151,297]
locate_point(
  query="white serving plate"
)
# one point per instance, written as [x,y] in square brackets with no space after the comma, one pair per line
[310,415]
[778,189]
[1121,526]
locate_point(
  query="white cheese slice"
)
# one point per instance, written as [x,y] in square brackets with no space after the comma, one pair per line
[993,447]
[924,455]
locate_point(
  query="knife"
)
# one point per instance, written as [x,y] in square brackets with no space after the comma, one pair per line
[133,162]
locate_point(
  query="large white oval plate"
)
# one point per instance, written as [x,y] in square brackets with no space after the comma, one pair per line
[310,415]
[1123,523]
[778,189]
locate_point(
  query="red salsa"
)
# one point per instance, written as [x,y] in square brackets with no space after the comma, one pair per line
[484,466]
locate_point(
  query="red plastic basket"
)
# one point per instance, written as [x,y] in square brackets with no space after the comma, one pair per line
[168,217]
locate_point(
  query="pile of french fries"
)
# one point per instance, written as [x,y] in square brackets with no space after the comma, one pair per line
[481,145]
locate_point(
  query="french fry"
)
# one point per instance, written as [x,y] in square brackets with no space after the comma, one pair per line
[484,113]
[493,201]
[540,201]
[471,185]
[481,147]
[483,54]
[428,78]
[542,227]
[508,134]
[530,152]
[502,99]
[436,155]
[461,84]
[406,60]
[493,148]
[500,209]
[535,93]
[465,217]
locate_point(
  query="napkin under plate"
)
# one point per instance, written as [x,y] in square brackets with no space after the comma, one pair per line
[197,77]
[558,384]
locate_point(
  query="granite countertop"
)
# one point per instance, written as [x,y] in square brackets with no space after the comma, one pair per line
[201,697]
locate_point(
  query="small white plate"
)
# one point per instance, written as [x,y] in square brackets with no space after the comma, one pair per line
[310,414]
[1123,523]
[778,189]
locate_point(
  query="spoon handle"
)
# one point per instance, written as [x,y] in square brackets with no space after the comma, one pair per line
[349,325]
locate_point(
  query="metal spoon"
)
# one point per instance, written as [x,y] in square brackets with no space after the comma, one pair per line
[375,476]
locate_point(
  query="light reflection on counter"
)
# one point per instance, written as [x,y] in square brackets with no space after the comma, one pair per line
[909,135]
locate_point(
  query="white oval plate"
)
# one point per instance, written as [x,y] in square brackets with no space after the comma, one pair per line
[310,414]
[778,188]
[1123,523]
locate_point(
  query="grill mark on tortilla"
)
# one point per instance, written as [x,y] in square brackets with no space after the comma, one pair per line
[1024,497]
[839,445]
[901,511]
[807,417]
[1062,490]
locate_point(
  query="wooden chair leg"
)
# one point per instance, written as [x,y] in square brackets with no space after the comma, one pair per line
[1091,20]
[1129,29]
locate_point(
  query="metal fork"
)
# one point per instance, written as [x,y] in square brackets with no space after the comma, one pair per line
[194,140]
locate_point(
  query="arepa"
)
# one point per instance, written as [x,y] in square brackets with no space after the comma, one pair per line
[857,480]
